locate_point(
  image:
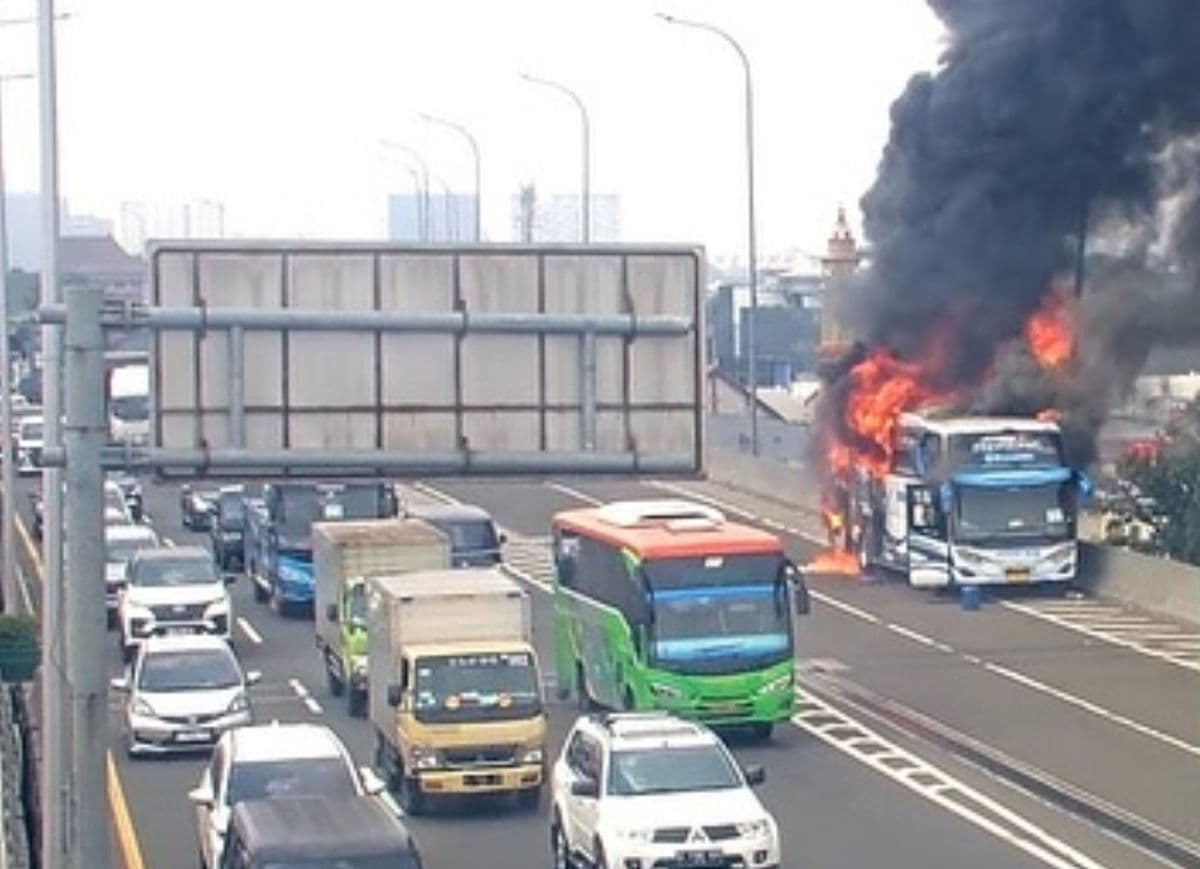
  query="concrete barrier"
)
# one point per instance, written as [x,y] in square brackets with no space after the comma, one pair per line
[1157,585]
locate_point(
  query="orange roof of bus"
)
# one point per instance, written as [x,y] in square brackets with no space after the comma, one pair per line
[656,540]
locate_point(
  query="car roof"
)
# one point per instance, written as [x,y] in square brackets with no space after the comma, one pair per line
[266,742]
[318,827]
[174,553]
[126,533]
[448,512]
[649,730]
[185,643]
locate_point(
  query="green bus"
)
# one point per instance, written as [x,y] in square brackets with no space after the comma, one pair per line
[667,605]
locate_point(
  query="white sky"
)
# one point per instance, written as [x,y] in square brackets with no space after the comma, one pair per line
[276,107]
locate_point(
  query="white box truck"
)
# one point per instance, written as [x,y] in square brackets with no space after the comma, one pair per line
[455,688]
[345,555]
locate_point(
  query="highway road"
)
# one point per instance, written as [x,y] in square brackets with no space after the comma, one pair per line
[898,685]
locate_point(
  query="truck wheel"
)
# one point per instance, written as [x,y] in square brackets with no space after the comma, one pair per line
[529,799]
[356,703]
[411,798]
[336,685]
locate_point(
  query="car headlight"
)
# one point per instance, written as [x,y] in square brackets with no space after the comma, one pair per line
[141,707]
[533,755]
[665,691]
[777,685]
[635,834]
[754,829]
[424,757]
[217,608]
[239,703]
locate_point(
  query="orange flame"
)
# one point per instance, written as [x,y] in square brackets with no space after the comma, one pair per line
[833,560]
[1050,414]
[1050,333]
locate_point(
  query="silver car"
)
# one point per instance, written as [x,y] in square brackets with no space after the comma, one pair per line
[183,693]
[120,544]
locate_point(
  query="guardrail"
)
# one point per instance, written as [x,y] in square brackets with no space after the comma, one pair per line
[1157,585]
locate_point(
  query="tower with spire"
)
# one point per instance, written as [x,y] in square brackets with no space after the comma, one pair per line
[841,260]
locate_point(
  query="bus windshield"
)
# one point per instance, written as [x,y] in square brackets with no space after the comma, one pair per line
[719,614]
[1013,511]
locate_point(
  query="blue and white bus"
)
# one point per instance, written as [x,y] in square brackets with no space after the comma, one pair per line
[971,501]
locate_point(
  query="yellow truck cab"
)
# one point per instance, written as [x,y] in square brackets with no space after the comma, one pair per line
[455,693]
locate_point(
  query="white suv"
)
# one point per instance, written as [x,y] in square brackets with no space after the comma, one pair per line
[641,790]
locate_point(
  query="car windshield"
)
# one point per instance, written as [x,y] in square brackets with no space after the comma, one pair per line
[469,536]
[382,861]
[31,431]
[131,408]
[189,671]
[255,780]
[476,687]
[166,573]
[120,551]
[668,770]
[1016,511]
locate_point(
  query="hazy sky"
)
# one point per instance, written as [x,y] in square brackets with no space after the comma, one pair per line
[276,106]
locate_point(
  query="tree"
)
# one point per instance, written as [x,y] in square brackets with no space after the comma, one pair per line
[1170,474]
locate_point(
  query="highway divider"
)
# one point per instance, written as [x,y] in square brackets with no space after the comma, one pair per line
[1157,585]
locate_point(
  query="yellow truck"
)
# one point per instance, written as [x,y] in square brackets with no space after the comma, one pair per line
[345,556]
[455,690]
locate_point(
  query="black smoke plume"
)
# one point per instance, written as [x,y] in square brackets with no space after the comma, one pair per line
[1045,121]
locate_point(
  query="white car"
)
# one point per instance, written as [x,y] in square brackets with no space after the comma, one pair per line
[29,444]
[172,590]
[121,543]
[183,693]
[650,789]
[272,760]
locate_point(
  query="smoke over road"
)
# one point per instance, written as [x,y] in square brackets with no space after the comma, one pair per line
[1043,118]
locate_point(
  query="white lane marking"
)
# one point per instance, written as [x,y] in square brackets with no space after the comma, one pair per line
[248,629]
[849,609]
[390,804]
[728,507]
[915,774]
[168,542]
[313,706]
[437,494]
[918,637]
[1088,706]
[1074,625]
[573,493]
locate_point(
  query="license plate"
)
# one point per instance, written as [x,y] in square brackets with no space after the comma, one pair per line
[724,708]
[192,736]
[485,780]
[698,858]
[1018,575]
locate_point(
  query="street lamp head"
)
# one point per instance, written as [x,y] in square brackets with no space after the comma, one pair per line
[670,19]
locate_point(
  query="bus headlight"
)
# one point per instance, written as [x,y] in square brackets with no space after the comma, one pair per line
[665,691]
[778,685]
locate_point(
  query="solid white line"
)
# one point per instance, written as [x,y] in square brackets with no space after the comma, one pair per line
[1036,841]
[426,489]
[849,609]
[248,629]
[313,706]
[1088,706]
[920,638]
[392,806]
[1100,635]
[573,493]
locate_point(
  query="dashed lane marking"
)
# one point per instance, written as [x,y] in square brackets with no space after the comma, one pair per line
[306,698]
[248,629]
[168,542]
[918,637]
[574,493]
[848,609]
[852,737]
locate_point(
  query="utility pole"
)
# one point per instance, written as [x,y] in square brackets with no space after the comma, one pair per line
[56,789]
[85,433]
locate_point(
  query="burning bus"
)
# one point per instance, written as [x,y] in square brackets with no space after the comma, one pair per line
[969,501]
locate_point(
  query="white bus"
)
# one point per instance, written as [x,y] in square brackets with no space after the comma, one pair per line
[971,501]
[129,404]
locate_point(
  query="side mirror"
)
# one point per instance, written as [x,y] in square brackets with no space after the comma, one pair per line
[372,784]
[253,677]
[502,538]
[585,787]
[331,612]
[119,683]
[395,693]
[755,775]
[800,596]
[230,578]
[201,796]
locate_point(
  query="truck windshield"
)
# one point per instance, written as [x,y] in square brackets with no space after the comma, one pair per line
[477,687]
[720,614]
[299,509]
[232,513]
[1040,512]
[163,573]
[404,860]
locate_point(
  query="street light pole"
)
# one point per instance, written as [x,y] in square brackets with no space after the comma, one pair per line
[586,203]
[466,134]
[752,350]
[448,209]
[423,208]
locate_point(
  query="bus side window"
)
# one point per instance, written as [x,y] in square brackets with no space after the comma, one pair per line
[904,461]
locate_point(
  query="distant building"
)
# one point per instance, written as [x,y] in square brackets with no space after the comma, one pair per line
[557,217]
[840,262]
[450,218]
[191,218]
[99,262]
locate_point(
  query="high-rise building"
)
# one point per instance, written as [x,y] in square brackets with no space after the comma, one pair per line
[450,217]
[23,214]
[557,217]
